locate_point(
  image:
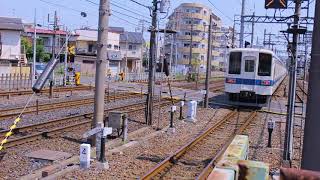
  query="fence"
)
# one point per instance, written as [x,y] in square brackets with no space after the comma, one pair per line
[142,77]
[15,81]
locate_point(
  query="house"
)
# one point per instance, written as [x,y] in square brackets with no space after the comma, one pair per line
[86,50]
[11,53]
[47,36]
[131,46]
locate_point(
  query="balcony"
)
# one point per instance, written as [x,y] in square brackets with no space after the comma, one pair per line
[195,16]
[194,50]
[196,27]
[194,38]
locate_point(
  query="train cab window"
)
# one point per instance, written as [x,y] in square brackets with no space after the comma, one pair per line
[249,66]
[235,63]
[265,61]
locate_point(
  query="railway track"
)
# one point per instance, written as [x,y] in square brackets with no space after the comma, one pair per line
[60,89]
[215,85]
[56,127]
[197,158]
[303,94]
[12,112]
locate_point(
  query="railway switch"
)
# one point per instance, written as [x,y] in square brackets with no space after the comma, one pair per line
[271,126]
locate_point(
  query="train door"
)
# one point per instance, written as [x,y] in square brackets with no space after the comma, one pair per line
[249,74]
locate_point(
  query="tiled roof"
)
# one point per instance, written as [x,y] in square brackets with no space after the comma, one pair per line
[7,23]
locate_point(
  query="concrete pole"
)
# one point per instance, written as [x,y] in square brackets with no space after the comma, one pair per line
[34,48]
[65,60]
[152,58]
[208,72]
[264,37]
[288,142]
[311,147]
[101,65]
[242,23]
[252,29]
[233,32]
[171,54]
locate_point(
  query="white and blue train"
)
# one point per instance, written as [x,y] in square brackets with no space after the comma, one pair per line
[253,75]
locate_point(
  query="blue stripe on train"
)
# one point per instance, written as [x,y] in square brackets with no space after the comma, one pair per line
[256,82]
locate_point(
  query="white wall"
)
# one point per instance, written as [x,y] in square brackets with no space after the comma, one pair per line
[11,46]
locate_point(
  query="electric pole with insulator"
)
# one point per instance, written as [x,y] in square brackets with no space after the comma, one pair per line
[152,54]
[288,142]
[101,65]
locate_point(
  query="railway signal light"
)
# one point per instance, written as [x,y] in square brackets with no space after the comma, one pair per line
[276,4]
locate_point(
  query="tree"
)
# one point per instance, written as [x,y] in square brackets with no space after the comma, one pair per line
[42,56]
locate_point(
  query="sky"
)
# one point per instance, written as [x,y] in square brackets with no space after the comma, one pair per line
[127,14]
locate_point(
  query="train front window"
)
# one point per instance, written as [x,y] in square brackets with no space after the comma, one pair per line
[235,63]
[265,61]
[249,66]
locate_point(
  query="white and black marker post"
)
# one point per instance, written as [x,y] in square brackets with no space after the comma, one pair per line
[173,109]
[181,110]
[271,126]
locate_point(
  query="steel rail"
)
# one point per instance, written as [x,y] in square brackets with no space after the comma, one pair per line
[208,169]
[180,152]
[59,105]
[60,89]
[55,131]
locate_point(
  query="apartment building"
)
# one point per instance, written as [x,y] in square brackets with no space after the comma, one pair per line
[187,19]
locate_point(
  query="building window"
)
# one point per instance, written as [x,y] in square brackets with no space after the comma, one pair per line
[186,45]
[187,10]
[205,12]
[90,47]
[203,46]
[109,46]
[187,33]
[130,47]
[116,47]
[197,11]
[202,58]
[185,57]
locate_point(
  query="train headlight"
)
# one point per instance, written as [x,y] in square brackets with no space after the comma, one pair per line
[266,83]
[231,81]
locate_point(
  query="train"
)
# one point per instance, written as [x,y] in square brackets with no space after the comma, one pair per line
[253,75]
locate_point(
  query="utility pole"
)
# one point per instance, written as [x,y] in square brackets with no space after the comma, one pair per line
[288,143]
[142,44]
[55,24]
[34,47]
[311,148]
[65,60]
[252,30]
[209,56]
[101,65]
[243,6]
[190,54]
[264,37]
[171,54]
[233,32]
[151,63]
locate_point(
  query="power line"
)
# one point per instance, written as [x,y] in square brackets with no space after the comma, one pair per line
[221,11]
[140,3]
[119,12]
[129,10]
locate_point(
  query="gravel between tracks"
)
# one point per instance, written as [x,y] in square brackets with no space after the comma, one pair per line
[136,161]
[28,119]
